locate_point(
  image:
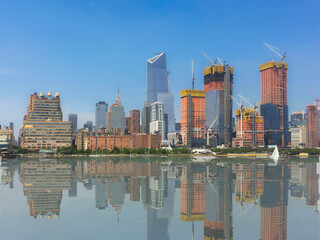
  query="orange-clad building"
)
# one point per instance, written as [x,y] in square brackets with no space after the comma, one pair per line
[192,193]
[312,126]
[193,117]
[274,102]
[249,129]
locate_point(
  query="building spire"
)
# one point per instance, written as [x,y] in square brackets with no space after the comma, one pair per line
[118,99]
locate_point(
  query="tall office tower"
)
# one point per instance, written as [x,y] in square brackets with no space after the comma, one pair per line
[193,194]
[89,125]
[146,117]
[43,183]
[116,118]
[101,114]
[134,121]
[193,117]
[249,128]
[43,126]
[73,192]
[274,103]
[218,85]
[74,119]
[157,124]
[274,203]
[218,203]
[12,126]
[312,126]
[296,119]
[158,86]
[101,195]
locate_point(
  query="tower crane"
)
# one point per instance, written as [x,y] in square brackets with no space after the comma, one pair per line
[192,74]
[211,62]
[315,98]
[220,61]
[244,99]
[273,49]
[208,138]
[241,119]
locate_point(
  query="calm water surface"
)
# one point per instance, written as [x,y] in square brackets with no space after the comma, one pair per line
[123,198]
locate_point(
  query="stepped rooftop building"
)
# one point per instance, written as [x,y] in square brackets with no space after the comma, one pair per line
[43,126]
[218,85]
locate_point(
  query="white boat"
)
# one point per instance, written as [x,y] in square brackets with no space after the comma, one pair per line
[202,159]
[93,155]
[202,151]
[275,155]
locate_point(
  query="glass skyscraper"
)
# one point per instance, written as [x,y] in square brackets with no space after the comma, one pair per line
[158,86]
[74,119]
[101,114]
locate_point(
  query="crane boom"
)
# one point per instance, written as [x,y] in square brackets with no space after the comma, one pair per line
[273,49]
[244,99]
[211,62]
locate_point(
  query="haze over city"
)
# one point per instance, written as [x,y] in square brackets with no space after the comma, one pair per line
[84,50]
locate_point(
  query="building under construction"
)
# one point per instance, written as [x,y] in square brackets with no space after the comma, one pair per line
[312,126]
[193,117]
[249,129]
[218,85]
[274,102]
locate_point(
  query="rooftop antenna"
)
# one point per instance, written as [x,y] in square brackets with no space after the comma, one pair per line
[192,74]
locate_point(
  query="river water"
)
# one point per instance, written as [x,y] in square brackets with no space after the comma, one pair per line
[159,198]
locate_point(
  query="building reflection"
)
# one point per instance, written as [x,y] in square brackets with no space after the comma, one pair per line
[218,202]
[206,192]
[274,203]
[43,183]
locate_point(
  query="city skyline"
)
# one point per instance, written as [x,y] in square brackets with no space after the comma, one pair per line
[52,62]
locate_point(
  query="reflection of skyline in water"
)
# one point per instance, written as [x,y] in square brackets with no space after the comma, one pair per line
[206,192]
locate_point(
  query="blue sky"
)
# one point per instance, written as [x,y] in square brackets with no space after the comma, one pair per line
[84,49]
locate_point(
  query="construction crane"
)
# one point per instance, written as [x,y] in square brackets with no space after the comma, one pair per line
[315,98]
[246,100]
[208,138]
[192,74]
[241,119]
[220,61]
[273,49]
[211,62]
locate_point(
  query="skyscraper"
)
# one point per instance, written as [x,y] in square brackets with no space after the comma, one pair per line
[157,124]
[116,118]
[146,117]
[193,117]
[101,114]
[43,126]
[74,119]
[89,125]
[218,85]
[312,126]
[158,86]
[134,121]
[274,102]
[296,119]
